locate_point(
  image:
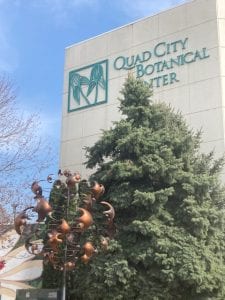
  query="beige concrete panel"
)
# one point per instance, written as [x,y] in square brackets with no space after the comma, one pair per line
[216,146]
[223,127]
[86,52]
[200,11]
[181,77]
[172,20]
[198,37]
[203,35]
[115,86]
[65,104]
[205,68]
[145,46]
[81,169]
[88,142]
[64,129]
[68,59]
[76,56]
[222,176]
[97,48]
[221,32]
[221,8]
[120,40]
[222,61]
[205,95]
[72,127]
[177,98]
[86,173]
[113,114]
[210,122]
[71,152]
[158,96]
[223,90]
[95,119]
[145,30]
[66,79]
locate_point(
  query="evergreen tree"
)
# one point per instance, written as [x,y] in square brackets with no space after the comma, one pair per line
[169,207]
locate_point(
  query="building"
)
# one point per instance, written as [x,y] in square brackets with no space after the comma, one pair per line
[180,51]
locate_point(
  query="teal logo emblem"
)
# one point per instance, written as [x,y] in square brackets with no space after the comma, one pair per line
[88,86]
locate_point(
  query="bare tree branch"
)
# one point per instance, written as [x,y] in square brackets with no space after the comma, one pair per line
[23,154]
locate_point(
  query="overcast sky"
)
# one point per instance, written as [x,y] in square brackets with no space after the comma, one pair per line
[34,34]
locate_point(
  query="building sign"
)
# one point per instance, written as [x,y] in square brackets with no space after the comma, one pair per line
[163,57]
[88,86]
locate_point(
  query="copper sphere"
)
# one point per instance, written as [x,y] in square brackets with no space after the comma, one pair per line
[88,202]
[54,240]
[110,213]
[20,221]
[86,218]
[97,190]
[88,249]
[43,208]
[85,259]
[73,179]
[69,266]
[77,177]
[70,181]
[64,227]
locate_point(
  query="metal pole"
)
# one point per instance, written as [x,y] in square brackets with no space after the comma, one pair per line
[65,250]
[64,286]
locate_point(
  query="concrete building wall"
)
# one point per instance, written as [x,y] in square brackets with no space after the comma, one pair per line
[181,51]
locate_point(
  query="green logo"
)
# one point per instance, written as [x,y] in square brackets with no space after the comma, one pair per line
[88,86]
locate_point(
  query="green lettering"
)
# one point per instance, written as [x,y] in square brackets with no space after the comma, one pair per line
[165,79]
[176,61]
[139,71]
[197,55]
[130,61]
[137,60]
[151,83]
[119,63]
[146,55]
[159,49]
[173,78]
[205,55]
[158,67]
[187,55]
[174,45]
[165,66]
[183,43]
[157,80]
[149,69]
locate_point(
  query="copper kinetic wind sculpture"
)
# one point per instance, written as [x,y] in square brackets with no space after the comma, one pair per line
[71,233]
